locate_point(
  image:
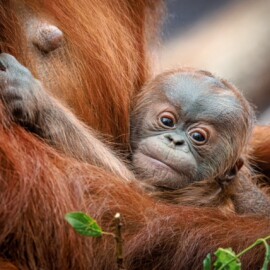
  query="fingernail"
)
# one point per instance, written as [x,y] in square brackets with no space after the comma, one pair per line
[2,67]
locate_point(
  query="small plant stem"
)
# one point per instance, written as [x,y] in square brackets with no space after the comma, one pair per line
[258,242]
[266,261]
[119,241]
[108,233]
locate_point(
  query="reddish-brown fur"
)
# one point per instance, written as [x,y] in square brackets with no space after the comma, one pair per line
[260,151]
[38,186]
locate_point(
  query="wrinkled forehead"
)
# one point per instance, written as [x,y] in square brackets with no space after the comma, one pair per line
[200,97]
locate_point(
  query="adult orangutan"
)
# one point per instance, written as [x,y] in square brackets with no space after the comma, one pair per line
[95,68]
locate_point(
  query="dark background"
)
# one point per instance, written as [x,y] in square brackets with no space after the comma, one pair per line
[182,14]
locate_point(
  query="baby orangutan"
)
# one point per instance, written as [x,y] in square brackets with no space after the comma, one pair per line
[190,131]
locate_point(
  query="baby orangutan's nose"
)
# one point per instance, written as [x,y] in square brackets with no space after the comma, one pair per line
[174,140]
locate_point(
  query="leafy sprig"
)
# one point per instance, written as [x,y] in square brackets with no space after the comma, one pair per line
[227,259]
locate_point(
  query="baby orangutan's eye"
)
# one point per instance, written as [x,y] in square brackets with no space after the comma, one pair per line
[198,135]
[167,120]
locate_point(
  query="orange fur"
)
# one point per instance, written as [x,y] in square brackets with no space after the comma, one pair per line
[119,70]
[260,147]
[40,187]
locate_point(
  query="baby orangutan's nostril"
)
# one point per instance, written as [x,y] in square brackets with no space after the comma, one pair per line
[174,139]
[169,137]
[179,142]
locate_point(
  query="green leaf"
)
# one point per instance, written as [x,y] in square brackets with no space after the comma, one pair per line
[227,260]
[83,224]
[267,256]
[207,262]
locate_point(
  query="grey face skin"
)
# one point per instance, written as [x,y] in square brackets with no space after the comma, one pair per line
[189,126]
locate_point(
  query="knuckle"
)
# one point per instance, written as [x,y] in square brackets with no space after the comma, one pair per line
[6,59]
[10,96]
[9,61]
[3,81]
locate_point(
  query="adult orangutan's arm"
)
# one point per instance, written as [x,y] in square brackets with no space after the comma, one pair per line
[31,106]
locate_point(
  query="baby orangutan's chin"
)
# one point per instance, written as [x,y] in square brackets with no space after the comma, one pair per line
[158,173]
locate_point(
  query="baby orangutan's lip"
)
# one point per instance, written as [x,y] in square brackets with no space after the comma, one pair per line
[161,163]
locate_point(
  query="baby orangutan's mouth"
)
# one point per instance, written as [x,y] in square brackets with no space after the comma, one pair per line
[161,163]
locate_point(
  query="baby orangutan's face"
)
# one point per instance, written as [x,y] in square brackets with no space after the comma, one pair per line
[183,129]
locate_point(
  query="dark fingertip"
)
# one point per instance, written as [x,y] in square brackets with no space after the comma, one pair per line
[2,67]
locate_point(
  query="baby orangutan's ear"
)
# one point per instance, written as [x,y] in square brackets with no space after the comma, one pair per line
[231,174]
